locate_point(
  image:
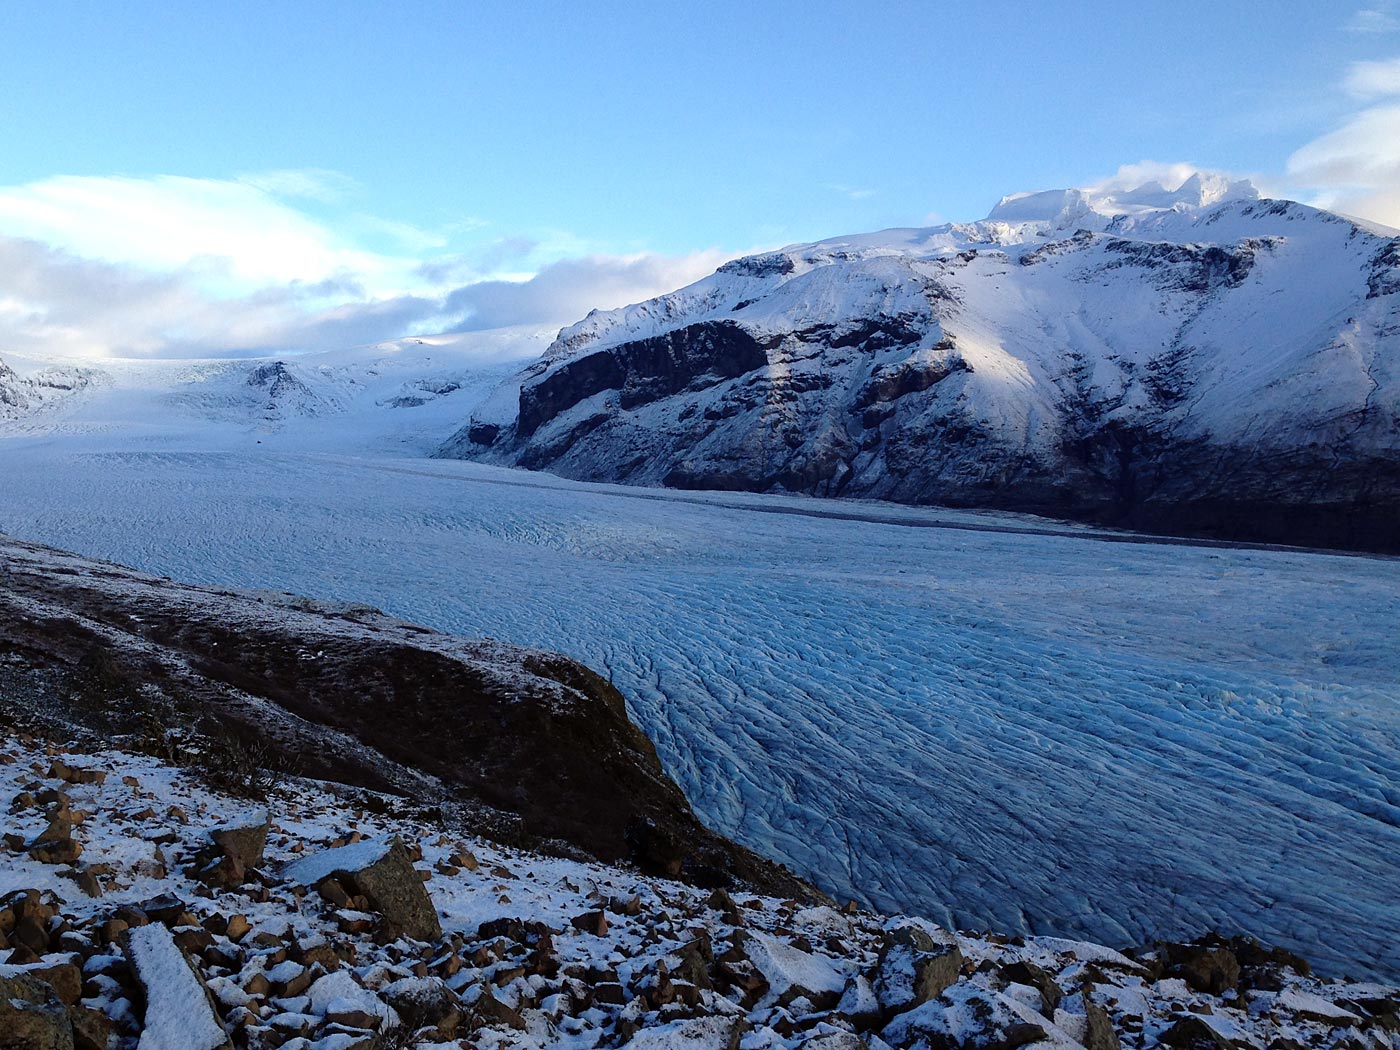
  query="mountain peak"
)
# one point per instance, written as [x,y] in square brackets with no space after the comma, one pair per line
[1065,207]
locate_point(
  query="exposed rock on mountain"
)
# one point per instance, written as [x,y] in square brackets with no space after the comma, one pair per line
[23,395]
[1196,361]
[283,392]
[534,745]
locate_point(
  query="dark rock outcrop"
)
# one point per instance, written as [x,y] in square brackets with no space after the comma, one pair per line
[644,371]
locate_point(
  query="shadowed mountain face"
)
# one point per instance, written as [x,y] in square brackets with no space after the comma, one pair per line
[531,744]
[1209,364]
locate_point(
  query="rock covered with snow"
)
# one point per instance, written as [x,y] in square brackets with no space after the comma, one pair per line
[178,1014]
[381,871]
[162,960]
[1195,360]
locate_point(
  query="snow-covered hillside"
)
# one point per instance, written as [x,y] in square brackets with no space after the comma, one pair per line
[41,389]
[1194,360]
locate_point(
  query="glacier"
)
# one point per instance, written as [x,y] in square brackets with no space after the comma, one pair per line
[996,720]
[986,718]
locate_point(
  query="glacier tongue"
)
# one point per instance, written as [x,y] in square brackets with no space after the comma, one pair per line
[1010,730]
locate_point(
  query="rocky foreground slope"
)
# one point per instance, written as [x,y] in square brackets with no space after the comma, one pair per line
[1198,361]
[140,908]
[529,744]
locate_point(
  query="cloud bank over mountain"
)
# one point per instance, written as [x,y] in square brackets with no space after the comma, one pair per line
[178,267]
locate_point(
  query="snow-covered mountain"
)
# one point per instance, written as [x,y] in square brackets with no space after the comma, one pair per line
[1197,360]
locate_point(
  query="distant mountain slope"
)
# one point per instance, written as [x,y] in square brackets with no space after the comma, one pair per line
[405,394]
[1197,360]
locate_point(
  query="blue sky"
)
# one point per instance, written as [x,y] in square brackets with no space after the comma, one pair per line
[324,152]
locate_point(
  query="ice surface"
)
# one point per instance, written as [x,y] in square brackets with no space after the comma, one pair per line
[1026,732]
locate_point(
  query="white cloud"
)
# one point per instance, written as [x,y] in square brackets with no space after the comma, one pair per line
[1132,183]
[53,303]
[851,192]
[1362,152]
[1132,176]
[563,292]
[175,266]
[235,234]
[1355,169]
[1374,79]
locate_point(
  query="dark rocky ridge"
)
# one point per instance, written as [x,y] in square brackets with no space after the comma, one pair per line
[1133,475]
[645,371]
[531,745]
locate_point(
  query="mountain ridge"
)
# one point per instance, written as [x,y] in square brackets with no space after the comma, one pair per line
[1199,361]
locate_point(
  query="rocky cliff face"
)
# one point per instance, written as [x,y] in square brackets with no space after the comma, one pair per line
[528,743]
[1197,361]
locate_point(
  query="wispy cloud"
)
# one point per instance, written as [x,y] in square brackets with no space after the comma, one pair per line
[1376,19]
[1374,79]
[851,192]
[318,184]
[565,291]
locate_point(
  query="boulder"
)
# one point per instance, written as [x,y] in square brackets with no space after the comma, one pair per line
[834,1041]
[916,965]
[1099,1033]
[66,851]
[1212,968]
[55,844]
[382,872]
[793,974]
[339,995]
[76,775]
[488,1011]
[1191,1033]
[32,1017]
[179,1008]
[63,975]
[591,922]
[92,1029]
[1028,973]
[232,850]
[969,1017]
[696,1033]
[425,1002]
